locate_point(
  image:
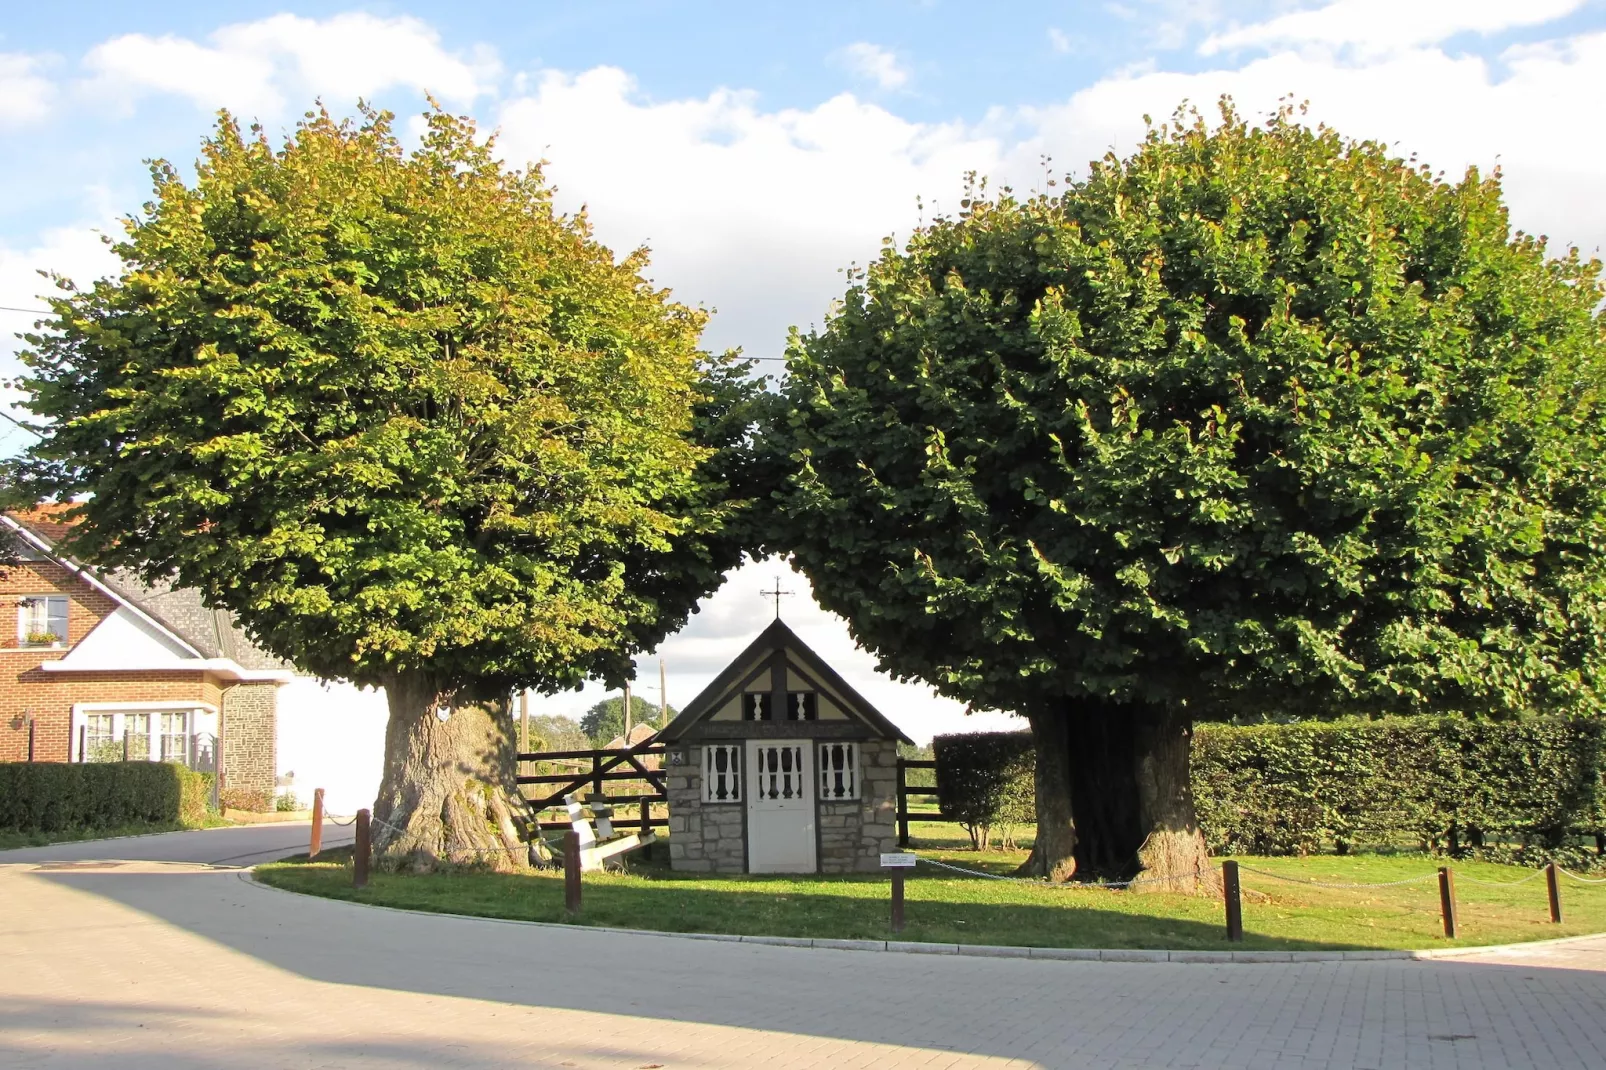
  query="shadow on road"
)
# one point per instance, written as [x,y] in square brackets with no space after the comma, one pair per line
[983,1006]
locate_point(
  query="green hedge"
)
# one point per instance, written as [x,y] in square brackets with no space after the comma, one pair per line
[984,781]
[57,796]
[1520,791]
[1493,788]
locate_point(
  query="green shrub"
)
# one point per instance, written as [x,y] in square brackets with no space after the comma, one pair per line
[985,780]
[55,796]
[1518,790]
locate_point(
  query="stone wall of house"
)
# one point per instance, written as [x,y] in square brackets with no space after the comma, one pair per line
[250,738]
[853,834]
[703,837]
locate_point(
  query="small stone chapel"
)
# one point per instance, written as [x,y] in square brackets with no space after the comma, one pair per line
[779,766]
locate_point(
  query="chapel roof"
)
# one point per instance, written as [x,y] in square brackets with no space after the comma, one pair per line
[778,637]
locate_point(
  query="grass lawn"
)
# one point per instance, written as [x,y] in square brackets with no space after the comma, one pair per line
[952,908]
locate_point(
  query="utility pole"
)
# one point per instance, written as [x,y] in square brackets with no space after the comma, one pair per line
[663,695]
[627,713]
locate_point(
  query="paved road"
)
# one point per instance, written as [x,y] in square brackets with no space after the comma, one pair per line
[180,966]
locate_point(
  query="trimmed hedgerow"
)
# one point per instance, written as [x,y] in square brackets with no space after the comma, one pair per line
[56,796]
[1519,790]
[984,781]
[1508,789]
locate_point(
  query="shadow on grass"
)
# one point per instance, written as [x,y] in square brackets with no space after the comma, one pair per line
[937,910]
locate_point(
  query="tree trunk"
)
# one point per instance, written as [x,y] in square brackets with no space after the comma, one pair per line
[1054,852]
[1173,847]
[450,790]
[1104,796]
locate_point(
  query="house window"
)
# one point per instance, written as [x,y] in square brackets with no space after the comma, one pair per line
[722,777]
[802,706]
[174,737]
[756,706]
[839,772]
[100,739]
[42,619]
[139,736]
[137,730]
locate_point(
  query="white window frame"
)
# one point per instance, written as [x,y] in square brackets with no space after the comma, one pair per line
[730,778]
[839,782]
[152,736]
[28,615]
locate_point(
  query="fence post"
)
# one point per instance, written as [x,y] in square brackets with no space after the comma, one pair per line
[317,824]
[1235,907]
[646,816]
[360,851]
[33,726]
[596,772]
[1552,885]
[897,900]
[83,743]
[903,805]
[571,872]
[1447,900]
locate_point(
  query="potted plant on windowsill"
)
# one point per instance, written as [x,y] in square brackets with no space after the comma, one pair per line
[43,639]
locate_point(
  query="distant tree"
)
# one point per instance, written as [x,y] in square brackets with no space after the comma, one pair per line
[411,425]
[551,732]
[1256,418]
[606,720]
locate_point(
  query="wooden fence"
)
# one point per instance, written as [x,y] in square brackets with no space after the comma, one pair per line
[905,791]
[595,770]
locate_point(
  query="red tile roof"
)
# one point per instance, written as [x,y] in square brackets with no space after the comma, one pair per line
[48,521]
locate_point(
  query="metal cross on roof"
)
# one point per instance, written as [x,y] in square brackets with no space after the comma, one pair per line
[777,594]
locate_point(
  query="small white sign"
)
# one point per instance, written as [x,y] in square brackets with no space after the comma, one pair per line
[898,861]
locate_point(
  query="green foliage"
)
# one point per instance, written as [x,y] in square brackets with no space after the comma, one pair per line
[393,411]
[55,796]
[551,732]
[1520,788]
[984,780]
[918,778]
[287,803]
[1253,416]
[605,721]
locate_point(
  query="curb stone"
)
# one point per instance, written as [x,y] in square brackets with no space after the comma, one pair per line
[996,951]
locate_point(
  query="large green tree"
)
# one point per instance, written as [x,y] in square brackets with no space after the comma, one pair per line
[409,423]
[605,721]
[1255,418]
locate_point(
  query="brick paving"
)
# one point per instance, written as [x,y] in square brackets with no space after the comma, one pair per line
[180,966]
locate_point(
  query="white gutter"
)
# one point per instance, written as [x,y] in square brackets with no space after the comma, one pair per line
[227,668]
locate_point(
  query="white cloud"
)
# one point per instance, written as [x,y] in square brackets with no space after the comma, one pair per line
[1059,40]
[1378,25]
[874,64]
[1524,114]
[256,68]
[747,211]
[25,93]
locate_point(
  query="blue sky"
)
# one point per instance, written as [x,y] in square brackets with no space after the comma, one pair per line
[760,148]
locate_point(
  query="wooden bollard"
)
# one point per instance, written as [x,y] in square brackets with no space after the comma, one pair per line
[317,824]
[1235,906]
[1447,900]
[1553,886]
[361,850]
[33,734]
[571,872]
[897,900]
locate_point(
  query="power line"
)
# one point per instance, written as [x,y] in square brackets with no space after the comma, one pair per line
[14,308]
[20,424]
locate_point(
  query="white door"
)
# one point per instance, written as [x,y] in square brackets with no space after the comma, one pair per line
[780,806]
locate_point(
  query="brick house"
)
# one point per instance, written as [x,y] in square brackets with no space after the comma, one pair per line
[780,766]
[102,665]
